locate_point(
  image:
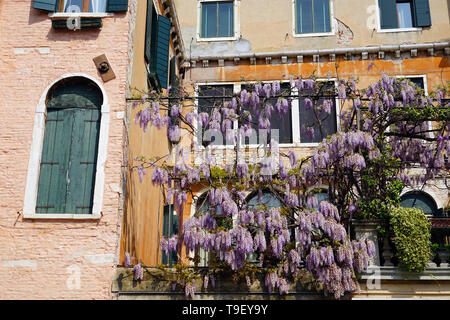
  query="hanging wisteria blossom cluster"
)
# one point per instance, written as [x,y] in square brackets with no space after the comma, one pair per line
[301,233]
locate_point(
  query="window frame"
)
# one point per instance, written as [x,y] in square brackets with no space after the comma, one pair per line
[236,22]
[82,14]
[295,114]
[236,89]
[312,34]
[379,30]
[338,113]
[294,111]
[33,173]
[425,89]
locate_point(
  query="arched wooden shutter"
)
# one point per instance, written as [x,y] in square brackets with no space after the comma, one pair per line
[69,154]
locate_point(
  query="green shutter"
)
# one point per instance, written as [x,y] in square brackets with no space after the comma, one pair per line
[83,161]
[162,50]
[422,14]
[117,5]
[148,30]
[54,162]
[388,14]
[47,5]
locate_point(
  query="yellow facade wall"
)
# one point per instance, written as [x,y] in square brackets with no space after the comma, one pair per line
[143,208]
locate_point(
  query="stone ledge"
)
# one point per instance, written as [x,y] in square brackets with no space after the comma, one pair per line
[157,284]
[394,273]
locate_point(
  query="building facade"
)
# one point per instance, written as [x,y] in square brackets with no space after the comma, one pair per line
[232,43]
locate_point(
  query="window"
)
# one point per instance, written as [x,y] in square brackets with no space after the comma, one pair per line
[82,5]
[404,14]
[156,52]
[309,119]
[69,154]
[281,123]
[217,19]
[202,203]
[268,199]
[207,104]
[170,228]
[420,200]
[312,16]
[94,6]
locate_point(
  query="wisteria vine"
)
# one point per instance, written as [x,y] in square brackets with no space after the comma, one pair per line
[384,132]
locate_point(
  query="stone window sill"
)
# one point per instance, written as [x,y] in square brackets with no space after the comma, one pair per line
[62,15]
[62,216]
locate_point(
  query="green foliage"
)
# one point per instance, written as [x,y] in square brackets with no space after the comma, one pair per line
[435,248]
[412,232]
[379,207]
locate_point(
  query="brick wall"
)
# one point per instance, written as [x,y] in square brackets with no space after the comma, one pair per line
[44,259]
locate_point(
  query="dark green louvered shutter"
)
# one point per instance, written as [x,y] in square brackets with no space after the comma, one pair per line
[160,61]
[47,5]
[388,14]
[151,14]
[422,14]
[117,5]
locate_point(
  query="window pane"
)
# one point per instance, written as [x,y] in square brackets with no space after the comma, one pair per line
[97,6]
[419,200]
[321,16]
[225,19]
[73,5]
[209,20]
[418,82]
[283,124]
[207,105]
[308,118]
[304,16]
[404,15]
[268,199]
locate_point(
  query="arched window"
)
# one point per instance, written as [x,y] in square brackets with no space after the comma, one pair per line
[268,199]
[69,154]
[421,200]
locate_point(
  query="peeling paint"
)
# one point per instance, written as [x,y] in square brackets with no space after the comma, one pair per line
[343,32]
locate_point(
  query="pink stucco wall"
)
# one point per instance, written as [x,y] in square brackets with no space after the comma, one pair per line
[41,259]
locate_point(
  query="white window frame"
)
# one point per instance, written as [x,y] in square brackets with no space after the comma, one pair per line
[379,30]
[236,22]
[318,34]
[32,183]
[338,113]
[295,114]
[236,89]
[81,14]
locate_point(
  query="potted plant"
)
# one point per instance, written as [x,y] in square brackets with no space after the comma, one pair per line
[435,250]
